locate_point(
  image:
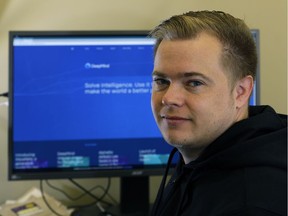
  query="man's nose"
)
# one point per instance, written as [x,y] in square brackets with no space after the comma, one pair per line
[174,96]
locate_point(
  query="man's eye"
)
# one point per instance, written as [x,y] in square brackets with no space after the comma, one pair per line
[160,81]
[195,83]
[160,84]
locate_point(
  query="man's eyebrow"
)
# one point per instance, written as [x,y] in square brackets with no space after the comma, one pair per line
[197,74]
[194,73]
[184,74]
[157,73]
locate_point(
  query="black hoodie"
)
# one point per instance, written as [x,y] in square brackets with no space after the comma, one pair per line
[242,173]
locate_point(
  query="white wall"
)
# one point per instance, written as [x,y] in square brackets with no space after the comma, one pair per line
[269,16]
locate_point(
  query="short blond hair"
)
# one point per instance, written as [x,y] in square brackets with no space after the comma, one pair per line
[239,50]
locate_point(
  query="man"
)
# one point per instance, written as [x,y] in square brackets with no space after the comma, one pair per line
[232,156]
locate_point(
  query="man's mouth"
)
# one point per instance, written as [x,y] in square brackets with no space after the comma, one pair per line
[173,118]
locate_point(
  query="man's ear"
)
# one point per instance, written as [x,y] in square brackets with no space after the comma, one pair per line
[243,90]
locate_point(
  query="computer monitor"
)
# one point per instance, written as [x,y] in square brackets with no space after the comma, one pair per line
[79,107]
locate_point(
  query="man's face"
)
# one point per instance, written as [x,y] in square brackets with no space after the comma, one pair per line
[192,100]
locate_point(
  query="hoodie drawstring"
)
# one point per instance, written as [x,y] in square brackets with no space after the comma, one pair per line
[163,182]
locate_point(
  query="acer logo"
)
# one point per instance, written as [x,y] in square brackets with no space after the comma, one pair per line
[137,173]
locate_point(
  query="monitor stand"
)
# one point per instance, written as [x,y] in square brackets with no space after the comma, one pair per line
[134,195]
[134,199]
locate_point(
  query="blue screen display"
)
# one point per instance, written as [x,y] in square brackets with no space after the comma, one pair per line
[84,103]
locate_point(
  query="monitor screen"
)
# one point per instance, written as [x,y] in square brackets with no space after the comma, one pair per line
[80,106]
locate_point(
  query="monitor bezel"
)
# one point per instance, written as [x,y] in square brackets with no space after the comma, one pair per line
[33,174]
